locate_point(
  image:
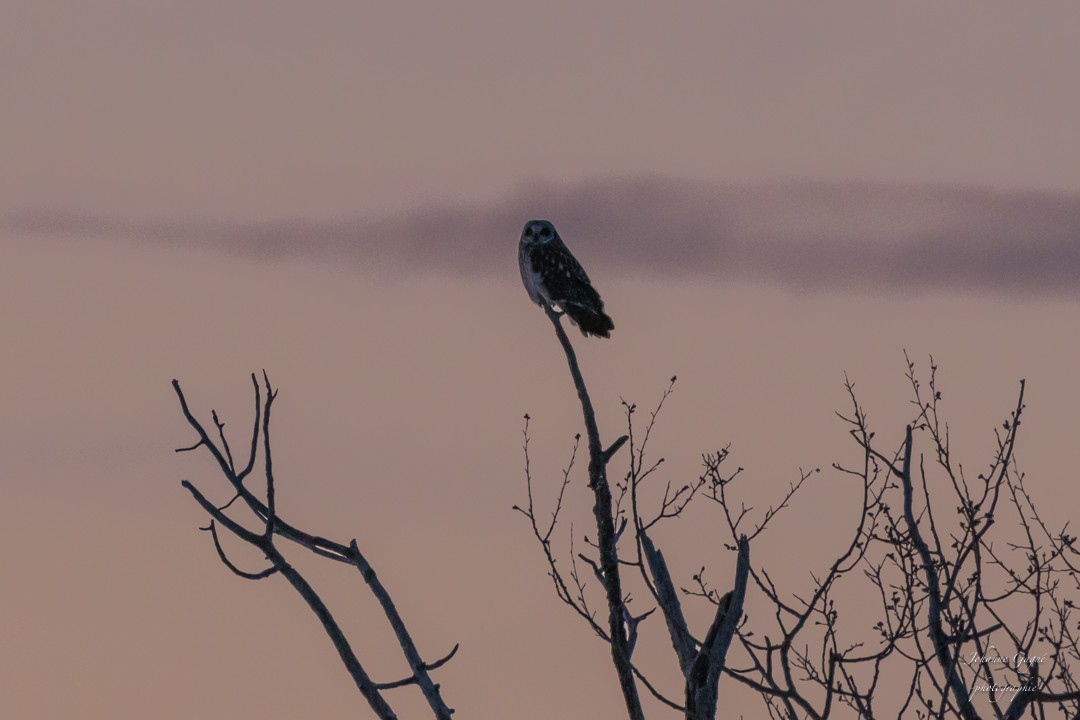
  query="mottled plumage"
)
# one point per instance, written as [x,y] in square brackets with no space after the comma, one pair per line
[553,276]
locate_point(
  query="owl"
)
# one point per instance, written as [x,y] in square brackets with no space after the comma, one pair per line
[552,276]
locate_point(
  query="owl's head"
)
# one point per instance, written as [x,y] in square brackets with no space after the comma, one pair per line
[538,232]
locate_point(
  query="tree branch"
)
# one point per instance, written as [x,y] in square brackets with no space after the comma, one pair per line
[702,682]
[605,528]
[264,541]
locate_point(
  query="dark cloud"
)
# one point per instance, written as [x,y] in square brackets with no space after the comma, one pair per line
[804,235]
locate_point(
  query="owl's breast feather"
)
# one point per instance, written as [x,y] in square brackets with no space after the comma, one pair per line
[532,278]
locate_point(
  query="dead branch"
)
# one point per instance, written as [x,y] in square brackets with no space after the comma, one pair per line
[264,540]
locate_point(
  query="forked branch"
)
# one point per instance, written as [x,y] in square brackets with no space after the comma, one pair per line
[272,526]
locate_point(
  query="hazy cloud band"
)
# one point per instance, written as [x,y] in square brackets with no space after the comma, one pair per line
[804,235]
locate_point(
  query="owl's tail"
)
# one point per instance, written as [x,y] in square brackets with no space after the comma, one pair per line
[591,321]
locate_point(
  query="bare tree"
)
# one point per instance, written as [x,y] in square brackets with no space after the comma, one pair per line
[272,526]
[700,662]
[947,587]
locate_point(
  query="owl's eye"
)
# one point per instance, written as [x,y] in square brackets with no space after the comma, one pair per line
[545,232]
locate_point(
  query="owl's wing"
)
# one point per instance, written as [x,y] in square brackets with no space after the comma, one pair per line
[568,285]
[563,277]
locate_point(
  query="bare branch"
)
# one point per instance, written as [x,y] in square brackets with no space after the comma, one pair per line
[413,679]
[605,527]
[264,541]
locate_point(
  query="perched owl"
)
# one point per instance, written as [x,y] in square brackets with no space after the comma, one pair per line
[553,276]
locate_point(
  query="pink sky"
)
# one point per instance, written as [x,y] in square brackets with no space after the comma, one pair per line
[402,390]
[256,109]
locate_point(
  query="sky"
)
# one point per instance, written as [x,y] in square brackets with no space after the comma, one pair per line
[768,195]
